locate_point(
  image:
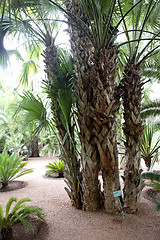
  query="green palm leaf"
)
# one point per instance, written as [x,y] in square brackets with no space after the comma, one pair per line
[19,213]
[1,214]
[151,108]
[35,112]
[154,176]
[29,68]
[9,203]
[65,102]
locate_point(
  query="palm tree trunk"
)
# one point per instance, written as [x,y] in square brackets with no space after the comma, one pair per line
[84,94]
[72,167]
[68,154]
[105,104]
[133,130]
[35,147]
[97,103]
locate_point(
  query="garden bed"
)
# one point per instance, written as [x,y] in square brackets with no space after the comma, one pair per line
[64,222]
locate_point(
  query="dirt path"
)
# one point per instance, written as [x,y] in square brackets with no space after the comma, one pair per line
[64,222]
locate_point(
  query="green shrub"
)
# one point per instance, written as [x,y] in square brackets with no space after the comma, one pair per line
[56,166]
[19,213]
[155,178]
[11,167]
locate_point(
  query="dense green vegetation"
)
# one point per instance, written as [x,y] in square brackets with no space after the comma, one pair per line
[114,53]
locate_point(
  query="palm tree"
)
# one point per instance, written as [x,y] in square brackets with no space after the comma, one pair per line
[37,114]
[59,88]
[61,95]
[95,60]
[149,111]
[142,43]
[149,150]
[95,65]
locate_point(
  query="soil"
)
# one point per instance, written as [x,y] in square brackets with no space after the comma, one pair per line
[14,185]
[64,222]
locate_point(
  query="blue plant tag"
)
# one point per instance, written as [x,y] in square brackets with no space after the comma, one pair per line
[117,193]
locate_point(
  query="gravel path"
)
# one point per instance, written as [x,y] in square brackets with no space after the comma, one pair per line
[64,222]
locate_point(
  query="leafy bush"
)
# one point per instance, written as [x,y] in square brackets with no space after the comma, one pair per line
[19,213]
[155,178]
[149,147]
[11,167]
[56,166]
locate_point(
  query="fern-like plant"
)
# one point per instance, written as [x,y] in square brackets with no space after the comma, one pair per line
[155,178]
[11,167]
[19,213]
[56,166]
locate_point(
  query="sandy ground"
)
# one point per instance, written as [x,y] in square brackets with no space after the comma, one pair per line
[64,222]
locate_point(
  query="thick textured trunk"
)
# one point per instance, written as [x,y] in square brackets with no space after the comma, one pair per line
[133,130]
[35,148]
[105,105]
[84,94]
[97,103]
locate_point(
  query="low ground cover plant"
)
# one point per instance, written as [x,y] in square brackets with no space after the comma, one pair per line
[11,167]
[19,213]
[155,178]
[56,166]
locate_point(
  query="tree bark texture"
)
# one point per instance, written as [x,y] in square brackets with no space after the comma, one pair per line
[97,102]
[105,104]
[35,147]
[81,50]
[133,130]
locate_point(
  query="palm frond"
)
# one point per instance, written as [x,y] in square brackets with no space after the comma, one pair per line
[34,110]
[9,203]
[29,68]
[19,213]
[151,108]
[154,176]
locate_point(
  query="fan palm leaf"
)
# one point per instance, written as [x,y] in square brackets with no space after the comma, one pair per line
[34,111]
